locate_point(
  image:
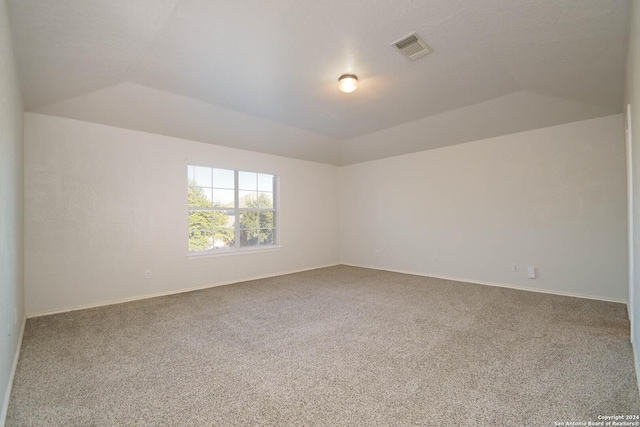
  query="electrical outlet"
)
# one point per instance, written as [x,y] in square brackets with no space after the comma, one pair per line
[515,267]
[531,272]
[376,253]
[147,274]
[435,259]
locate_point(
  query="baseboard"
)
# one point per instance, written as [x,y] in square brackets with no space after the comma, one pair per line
[213,285]
[499,285]
[7,397]
[172,292]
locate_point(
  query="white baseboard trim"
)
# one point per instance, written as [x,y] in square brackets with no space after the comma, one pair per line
[499,285]
[16,356]
[172,292]
[5,404]
[213,285]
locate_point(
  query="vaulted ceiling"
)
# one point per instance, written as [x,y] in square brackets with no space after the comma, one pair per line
[192,68]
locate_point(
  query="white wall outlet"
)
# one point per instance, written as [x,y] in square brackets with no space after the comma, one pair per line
[147,274]
[376,253]
[515,267]
[531,272]
[435,259]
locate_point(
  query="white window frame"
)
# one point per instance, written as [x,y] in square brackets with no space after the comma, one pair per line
[237,249]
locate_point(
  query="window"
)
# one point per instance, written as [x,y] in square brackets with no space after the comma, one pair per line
[231,210]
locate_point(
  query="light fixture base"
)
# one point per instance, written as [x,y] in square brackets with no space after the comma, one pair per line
[347,83]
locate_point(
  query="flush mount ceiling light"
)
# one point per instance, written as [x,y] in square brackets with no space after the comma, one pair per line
[347,83]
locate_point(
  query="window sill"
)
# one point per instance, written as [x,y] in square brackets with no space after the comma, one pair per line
[196,255]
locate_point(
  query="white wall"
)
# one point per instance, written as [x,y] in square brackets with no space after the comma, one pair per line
[553,198]
[126,105]
[104,204]
[515,112]
[632,97]
[11,212]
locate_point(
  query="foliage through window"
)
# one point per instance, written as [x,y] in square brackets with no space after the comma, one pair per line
[230,209]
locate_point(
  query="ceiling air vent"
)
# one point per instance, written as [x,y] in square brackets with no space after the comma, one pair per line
[412,46]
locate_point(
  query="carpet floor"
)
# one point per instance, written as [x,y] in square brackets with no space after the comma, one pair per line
[338,346]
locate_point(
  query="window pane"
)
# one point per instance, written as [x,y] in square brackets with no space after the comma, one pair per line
[191,175]
[266,220]
[224,219]
[223,198]
[202,176]
[230,218]
[248,181]
[265,200]
[224,238]
[200,230]
[224,232]
[267,236]
[265,182]
[223,178]
[256,219]
[249,237]
[214,216]
[249,219]
[248,199]
[199,197]
[257,228]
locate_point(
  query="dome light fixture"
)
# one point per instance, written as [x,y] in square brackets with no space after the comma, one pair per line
[347,83]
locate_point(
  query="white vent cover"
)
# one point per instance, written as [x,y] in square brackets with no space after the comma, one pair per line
[412,46]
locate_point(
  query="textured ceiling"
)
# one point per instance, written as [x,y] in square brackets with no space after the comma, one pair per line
[279,61]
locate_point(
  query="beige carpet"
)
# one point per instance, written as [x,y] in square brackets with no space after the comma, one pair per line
[339,346]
